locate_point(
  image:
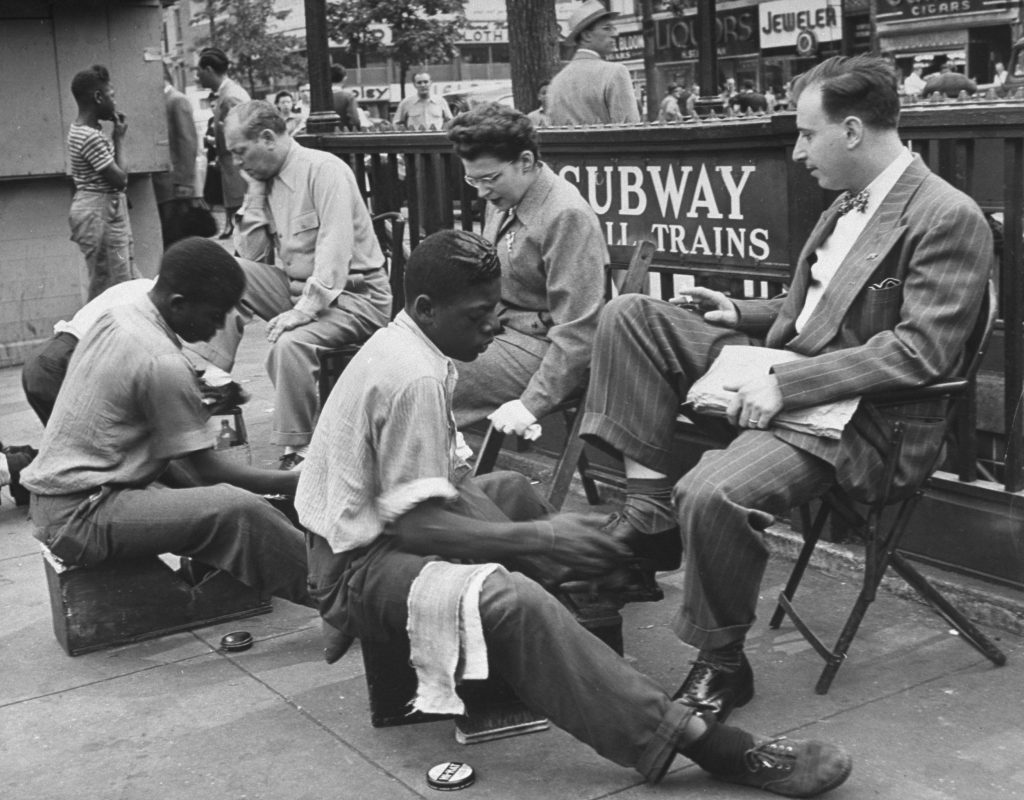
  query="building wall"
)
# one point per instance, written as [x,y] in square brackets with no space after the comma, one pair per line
[42,46]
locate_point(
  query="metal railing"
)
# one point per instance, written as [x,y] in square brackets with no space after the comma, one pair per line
[727,206]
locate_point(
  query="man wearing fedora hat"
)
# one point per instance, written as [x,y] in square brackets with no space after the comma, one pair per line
[590,90]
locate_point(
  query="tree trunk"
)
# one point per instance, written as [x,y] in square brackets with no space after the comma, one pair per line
[533,48]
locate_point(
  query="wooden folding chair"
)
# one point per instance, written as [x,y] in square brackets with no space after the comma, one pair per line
[882,538]
[572,457]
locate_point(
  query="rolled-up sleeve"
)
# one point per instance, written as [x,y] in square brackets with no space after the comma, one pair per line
[418,444]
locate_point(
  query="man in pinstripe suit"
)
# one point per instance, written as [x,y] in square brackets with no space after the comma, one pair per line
[883,297]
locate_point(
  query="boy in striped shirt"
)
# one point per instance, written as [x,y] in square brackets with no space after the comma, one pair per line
[99,209]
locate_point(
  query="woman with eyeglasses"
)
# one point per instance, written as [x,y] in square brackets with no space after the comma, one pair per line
[552,254]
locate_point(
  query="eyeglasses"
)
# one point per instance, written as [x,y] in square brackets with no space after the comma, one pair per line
[487,181]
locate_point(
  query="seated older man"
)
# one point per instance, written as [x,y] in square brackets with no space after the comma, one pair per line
[314,269]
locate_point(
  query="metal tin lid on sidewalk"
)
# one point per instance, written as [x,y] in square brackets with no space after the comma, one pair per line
[236,641]
[450,776]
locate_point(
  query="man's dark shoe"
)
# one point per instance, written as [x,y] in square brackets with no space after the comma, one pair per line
[290,461]
[710,687]
[793,767]
[19,457]
[223,399]
[336,643]
[662,551]
[618,587]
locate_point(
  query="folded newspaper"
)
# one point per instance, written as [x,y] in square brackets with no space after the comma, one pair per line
[738,363]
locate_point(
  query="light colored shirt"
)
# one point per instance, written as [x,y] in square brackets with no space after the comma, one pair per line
[129,404]
[831,253]
[313,215]
[385,441]
[117,295]
[669,109]
[553,256]
[913,84]
[415,112]
[90,152]
[590,91]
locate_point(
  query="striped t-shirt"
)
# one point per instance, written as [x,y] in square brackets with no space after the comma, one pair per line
[90,151]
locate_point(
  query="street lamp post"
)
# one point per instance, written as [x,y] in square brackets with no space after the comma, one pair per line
[322,117]
[707,69]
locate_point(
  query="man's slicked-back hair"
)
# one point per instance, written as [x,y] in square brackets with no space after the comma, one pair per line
[201,270]
[862,86]
[494,130]
[338,73]
[448,263]
[257,115]
[89,81]
[214,58]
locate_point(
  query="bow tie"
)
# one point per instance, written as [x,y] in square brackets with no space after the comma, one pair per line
[849,201]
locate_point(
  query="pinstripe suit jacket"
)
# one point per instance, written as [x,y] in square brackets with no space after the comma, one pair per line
[935,243]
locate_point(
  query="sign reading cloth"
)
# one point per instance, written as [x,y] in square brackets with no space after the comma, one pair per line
[897,10]
[735,35]
[783,20]
[720,209]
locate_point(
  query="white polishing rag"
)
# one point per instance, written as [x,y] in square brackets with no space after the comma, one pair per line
[446,636]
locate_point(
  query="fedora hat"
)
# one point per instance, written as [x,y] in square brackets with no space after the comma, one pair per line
[585,16]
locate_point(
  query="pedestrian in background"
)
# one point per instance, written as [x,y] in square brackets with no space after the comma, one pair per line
[539,116]
[99,209]
[345,105]
[669,110]
[182,214]
[293,120]
[424,110]
[212,75]
[749,101]
[589,90]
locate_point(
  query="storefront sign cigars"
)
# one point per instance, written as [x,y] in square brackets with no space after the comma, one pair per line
[696,207]
[894,10]
[782,21]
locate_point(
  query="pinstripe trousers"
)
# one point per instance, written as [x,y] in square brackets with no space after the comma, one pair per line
[646,355]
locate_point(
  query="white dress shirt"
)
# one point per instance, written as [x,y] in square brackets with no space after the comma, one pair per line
[831,252]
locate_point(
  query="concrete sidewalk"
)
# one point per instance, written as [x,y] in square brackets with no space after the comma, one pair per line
[924,715]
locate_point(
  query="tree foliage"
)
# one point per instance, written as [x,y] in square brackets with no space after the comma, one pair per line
[241,28]
[422,31]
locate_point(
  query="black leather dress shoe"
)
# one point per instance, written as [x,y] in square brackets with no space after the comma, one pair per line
[661,552]
[336,643]
[711,688]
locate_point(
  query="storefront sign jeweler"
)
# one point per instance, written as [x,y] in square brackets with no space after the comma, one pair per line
[783,21]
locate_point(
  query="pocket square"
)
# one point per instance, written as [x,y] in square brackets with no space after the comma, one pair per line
[888,283]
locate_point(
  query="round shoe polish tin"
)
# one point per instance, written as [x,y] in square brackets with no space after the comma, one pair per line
[236,641]
[450,776]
